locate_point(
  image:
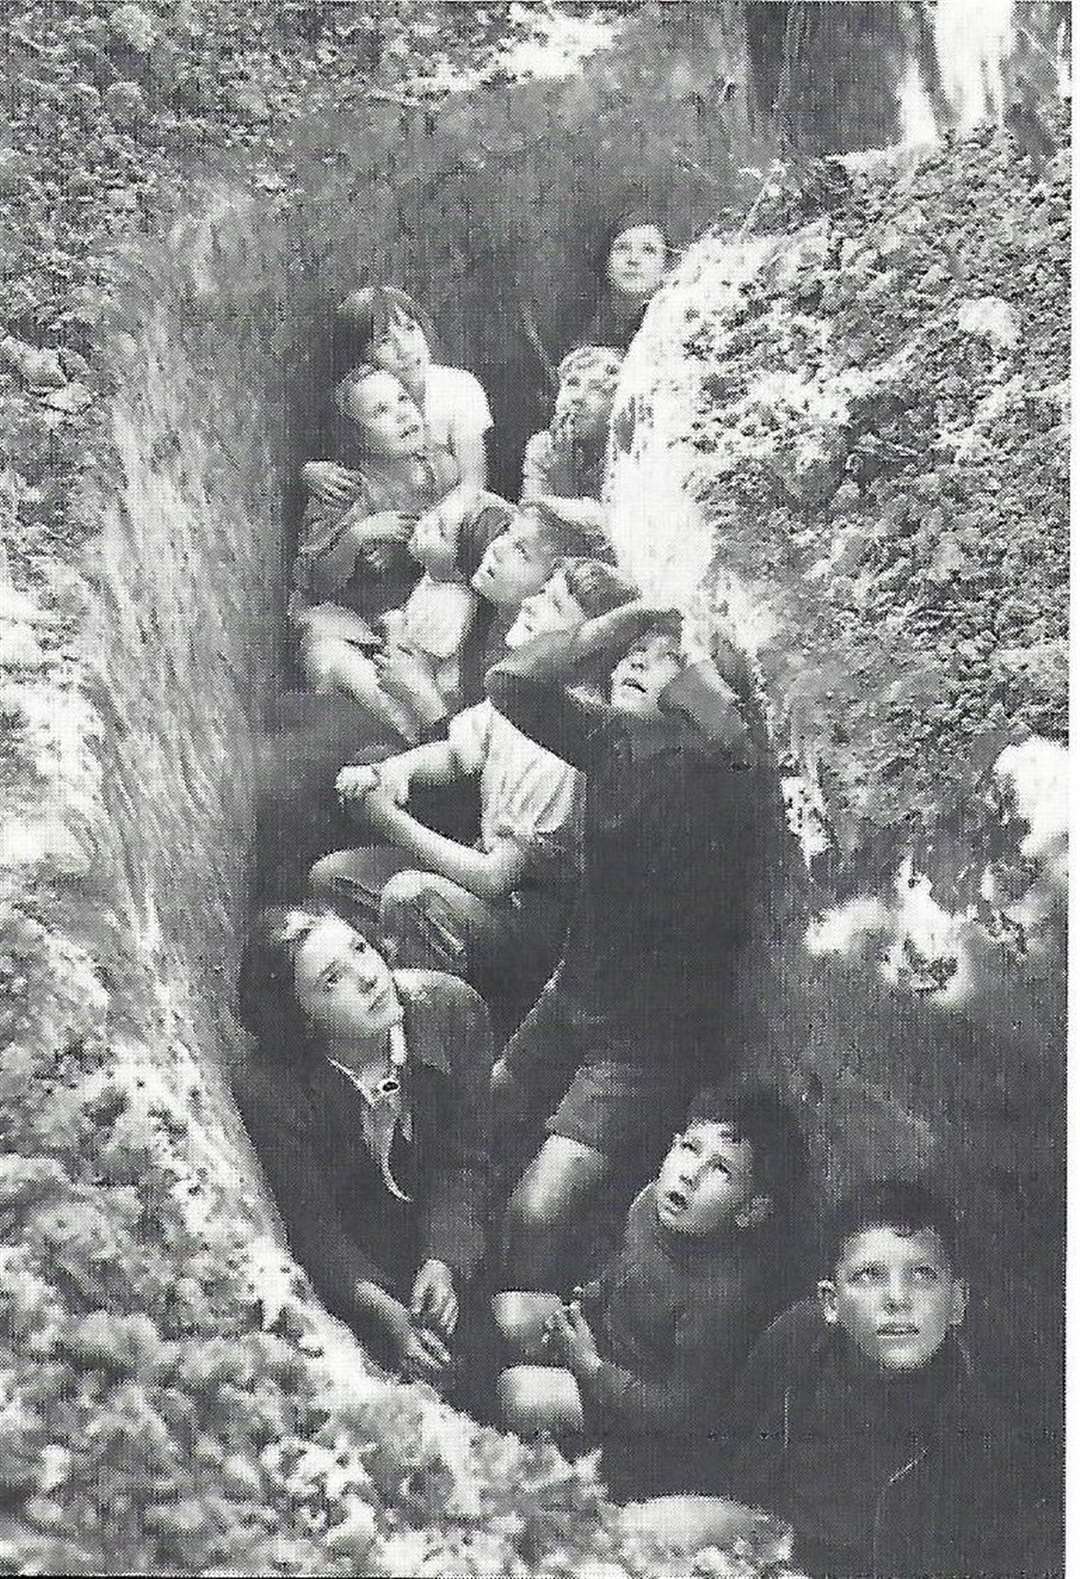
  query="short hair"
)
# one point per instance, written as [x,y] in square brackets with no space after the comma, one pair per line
[562,538]
[757,1112]
[905,1205]
[479,528]
[363,318]
[665,622]
[593,584]
[602,363]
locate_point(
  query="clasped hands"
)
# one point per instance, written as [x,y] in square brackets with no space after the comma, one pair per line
[380,789]
[423,1333]
[569,1337]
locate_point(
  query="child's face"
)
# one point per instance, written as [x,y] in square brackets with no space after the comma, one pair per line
[344,986]
[434,545]
[588,396]
[514,566]
[637,260]
[706,1183]
[553,608]
[403,350]
[638,680]
[388,415]
[895,1295]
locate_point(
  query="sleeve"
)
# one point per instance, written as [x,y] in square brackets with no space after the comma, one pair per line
[530,688]
[304,1195]
[535,467]
[453,1216]
[469,734]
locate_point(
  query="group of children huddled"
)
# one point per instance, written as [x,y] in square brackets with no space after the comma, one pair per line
[451,1199]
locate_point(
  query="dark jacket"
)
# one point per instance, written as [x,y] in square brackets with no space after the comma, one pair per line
[673,1318]
[679,848]
[883,1476]
[342,1224]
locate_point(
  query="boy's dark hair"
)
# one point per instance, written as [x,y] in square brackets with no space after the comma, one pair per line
[757,1111]
[479,528]
[562,538]
[636,211]
[905,1205]
[667,622]
[363,318]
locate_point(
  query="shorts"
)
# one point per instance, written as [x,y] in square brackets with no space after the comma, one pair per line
[597,1080]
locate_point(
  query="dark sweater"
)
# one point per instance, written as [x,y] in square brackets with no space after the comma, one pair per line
[677,849]
[880,1474]
[673,1317]
[343,1225]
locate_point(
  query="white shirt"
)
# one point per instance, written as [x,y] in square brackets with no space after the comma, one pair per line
[526,792]
[455,409]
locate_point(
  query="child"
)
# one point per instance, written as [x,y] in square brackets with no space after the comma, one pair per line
[383,326]
[431,632]
[676,1311]
[366,1101]
[566,461]
[352,562]
[859,1417]
[684,838]
[630,260]
[496,912]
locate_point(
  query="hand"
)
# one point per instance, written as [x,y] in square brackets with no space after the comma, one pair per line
[421,1354]
[570,1335]
[328,481]
[434,1302]
[405,674]
[356,783]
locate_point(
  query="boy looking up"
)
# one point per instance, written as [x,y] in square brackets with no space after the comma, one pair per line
[683,836]
[676,1311]
[859,1417]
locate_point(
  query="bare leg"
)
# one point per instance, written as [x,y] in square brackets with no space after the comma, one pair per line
[536,1398]
[687,1523]
[545,1208]
[332,663]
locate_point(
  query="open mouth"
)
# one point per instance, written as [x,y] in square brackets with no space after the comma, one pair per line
[898,1330]
[675,1200]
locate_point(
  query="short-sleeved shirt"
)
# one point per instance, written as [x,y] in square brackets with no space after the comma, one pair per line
[455,409]
[526,793]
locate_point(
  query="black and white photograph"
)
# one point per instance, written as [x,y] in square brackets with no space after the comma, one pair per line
[534,745]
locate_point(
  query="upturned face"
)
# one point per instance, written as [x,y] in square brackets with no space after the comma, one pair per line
[387,415]
[706,1182]
[637,260]
[587,397]
[434,545]
[404,351]
[553,608]
[343,985]
[514,566]
[639,679]
[895,1295]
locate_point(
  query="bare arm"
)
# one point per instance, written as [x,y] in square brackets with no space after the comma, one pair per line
[489,874]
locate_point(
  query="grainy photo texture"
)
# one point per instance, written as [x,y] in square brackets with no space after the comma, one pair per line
[533,728]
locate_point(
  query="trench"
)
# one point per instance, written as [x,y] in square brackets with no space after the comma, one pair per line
[218,793]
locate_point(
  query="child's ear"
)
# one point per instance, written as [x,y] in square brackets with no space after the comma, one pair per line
[826,1293]
[959,1302]
[757,1210]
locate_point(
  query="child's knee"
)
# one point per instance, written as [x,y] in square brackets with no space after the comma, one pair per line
[535,1398]
[407,895]
[323,876]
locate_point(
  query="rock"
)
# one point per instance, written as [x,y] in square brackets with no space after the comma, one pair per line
[41,369]
[16,168]
[126,103]
[249,101]
[133,28]
[990,318]
[72,399]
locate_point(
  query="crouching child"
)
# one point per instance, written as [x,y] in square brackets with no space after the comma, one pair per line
[634,1362]
[860,1419]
